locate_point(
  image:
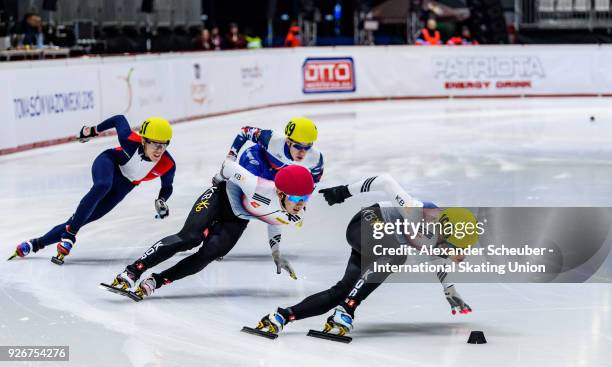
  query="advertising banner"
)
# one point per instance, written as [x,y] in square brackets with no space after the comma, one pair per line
[49,102]
[56,98]
[138,88]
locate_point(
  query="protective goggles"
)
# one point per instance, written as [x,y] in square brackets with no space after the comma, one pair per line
[299,146]
[156,145]
[297,198]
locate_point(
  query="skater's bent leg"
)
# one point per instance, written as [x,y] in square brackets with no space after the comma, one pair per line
[164,249]
[368,282]
[121,187]
[53,236]
[191,235]
[320,303]
[222,239]
[102,172]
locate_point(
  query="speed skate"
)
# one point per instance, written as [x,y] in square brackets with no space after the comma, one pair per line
[329,336]
[126,293]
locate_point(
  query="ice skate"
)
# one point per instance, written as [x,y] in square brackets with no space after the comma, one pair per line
[268,327]
[22,250]
[336,327]
[146,287]
[63,250]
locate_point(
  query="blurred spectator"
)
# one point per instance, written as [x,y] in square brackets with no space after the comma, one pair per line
[464,39]
[234,40]
[215,38]
[31,30]
[253,41]
[293,36]
[204,42]
[429,35]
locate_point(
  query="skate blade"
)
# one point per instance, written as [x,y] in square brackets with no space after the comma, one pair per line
[328,336]
[131,295]
[57,261]
[265,334]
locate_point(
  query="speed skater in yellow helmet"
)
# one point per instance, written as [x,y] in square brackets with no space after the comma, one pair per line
[275,149]
[157,129]
[301,130]
[464,226]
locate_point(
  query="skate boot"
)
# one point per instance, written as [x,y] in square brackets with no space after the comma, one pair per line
[269,326]
[272,323]
[337,326]
[23,250]
[146,287]
[125,280]
[64,246]
[339,323]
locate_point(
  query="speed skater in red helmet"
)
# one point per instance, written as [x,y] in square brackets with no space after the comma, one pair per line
[217,220]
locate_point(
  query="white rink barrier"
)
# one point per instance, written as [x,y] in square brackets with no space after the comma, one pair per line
[44,102]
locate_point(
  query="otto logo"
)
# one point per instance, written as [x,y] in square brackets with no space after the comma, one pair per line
[328,75]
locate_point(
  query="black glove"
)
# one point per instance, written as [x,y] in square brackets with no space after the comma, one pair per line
[336,194]
[162,209]
[86,136]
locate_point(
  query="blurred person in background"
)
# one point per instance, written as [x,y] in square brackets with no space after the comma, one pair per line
[215,38]
[429,36]
[253,41]
[293,36]
[204,41]
[31,30]
[234,40]
[464,39]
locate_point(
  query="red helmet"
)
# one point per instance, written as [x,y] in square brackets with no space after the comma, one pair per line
[294,180]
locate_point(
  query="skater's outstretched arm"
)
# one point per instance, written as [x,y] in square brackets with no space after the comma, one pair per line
[164,193]
[453,297]
[166,183]
[274,237]
[317,171]
[382,183]
[118,122]
[248,133]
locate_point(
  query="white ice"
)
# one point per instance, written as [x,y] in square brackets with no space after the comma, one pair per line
[532,152]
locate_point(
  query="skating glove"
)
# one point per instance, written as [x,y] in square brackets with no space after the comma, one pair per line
[336,194]
[162,209]
[282,263]
[456,302]
[87,133]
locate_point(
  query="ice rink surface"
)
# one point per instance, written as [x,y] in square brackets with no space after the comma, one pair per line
[514,152]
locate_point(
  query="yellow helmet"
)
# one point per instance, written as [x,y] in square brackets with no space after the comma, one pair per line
[465,229]
[301,130]
[156,128]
